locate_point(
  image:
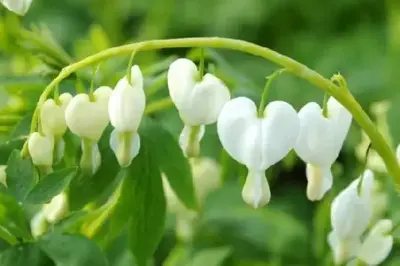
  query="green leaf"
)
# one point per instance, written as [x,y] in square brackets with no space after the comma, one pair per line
[20,175]
[171,160]
[148,205]
[211,257]
[51,185]
[12,217]
[72,250]
[24,255]
[23,127]
[7,148]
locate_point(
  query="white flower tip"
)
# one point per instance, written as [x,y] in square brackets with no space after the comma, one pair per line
[19,7]
[3,175]
[56,209]
[319,181]
[126,146]
[191,147]
[41,149]
[256,191]
[38,224]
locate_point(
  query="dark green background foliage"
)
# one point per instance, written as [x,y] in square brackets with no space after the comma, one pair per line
[358,38]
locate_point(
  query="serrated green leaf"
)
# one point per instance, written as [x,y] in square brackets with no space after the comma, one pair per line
[148,205]
[24,255]
[211,257]
[12,217]
[72,250]
[20,175]
[51,185]
[171,160]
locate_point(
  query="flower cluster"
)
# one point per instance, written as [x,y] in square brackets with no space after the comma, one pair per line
[87,116]
[353,211]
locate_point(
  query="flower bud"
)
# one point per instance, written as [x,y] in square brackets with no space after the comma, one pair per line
[378,243]
[41,149]
[17,6]
[87,118]
[56,209]
[319,181]
[52,115]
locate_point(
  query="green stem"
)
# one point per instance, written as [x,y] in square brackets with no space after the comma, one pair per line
[201,64]
[292,66]
[193,147]
[325,105]
[266,90]
[158,106]
[129,71]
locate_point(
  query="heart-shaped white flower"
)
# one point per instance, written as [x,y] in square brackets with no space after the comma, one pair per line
[199,100]
[56,209]
[257,142]
[52,115]
[41,149]
[17,6]
[319,143]
[126,108]
[88,119]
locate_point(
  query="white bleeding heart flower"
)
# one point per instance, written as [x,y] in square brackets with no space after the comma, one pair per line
[126,108]
[38,224]
[351,213]
[87,118]
[41,149]
[52,115]
[319,143]
[189,139]
[91,157]
[377,245]
[256,142]
[17,6]
[199,100]
[56,209]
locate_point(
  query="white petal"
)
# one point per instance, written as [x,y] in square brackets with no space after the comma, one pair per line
[3,175]
[254,142]
[88,119]
[204,102]
[52,115]
[343,250]
[378,244]
[38,224]
[56,209]
[280,129]
[316,141]
[350,214]
[341,119]
[239,131]
[182,77]
[256,190]
[41,149]
[127,103]
[319,181]
[18,6]
[184,139]
[118,142]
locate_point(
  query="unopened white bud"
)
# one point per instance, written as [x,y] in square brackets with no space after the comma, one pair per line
[41,149]
[56,209]
[52,115]
[38,224]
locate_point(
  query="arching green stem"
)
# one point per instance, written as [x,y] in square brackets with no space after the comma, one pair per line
[292,66]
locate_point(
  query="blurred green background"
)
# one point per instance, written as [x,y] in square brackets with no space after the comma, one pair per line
[358,38]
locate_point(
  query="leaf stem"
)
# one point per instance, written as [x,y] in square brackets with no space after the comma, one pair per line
[292,66]
[264,96]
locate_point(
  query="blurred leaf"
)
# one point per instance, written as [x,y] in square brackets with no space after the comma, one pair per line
[72,250]
[20,175]
[12,217]
[179,256]
[321,222]
[51,185]
[211,257]
[23,255]
[70,223]
[7,148]
[23,127]
[170,158]
[23,81]
[148,204]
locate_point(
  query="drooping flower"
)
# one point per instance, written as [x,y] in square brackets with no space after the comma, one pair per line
[17,6]
[199,100]
[351,213]
[56,209]
[126,108]
[41,149]
[319,143]
[88,118]
[256,142]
